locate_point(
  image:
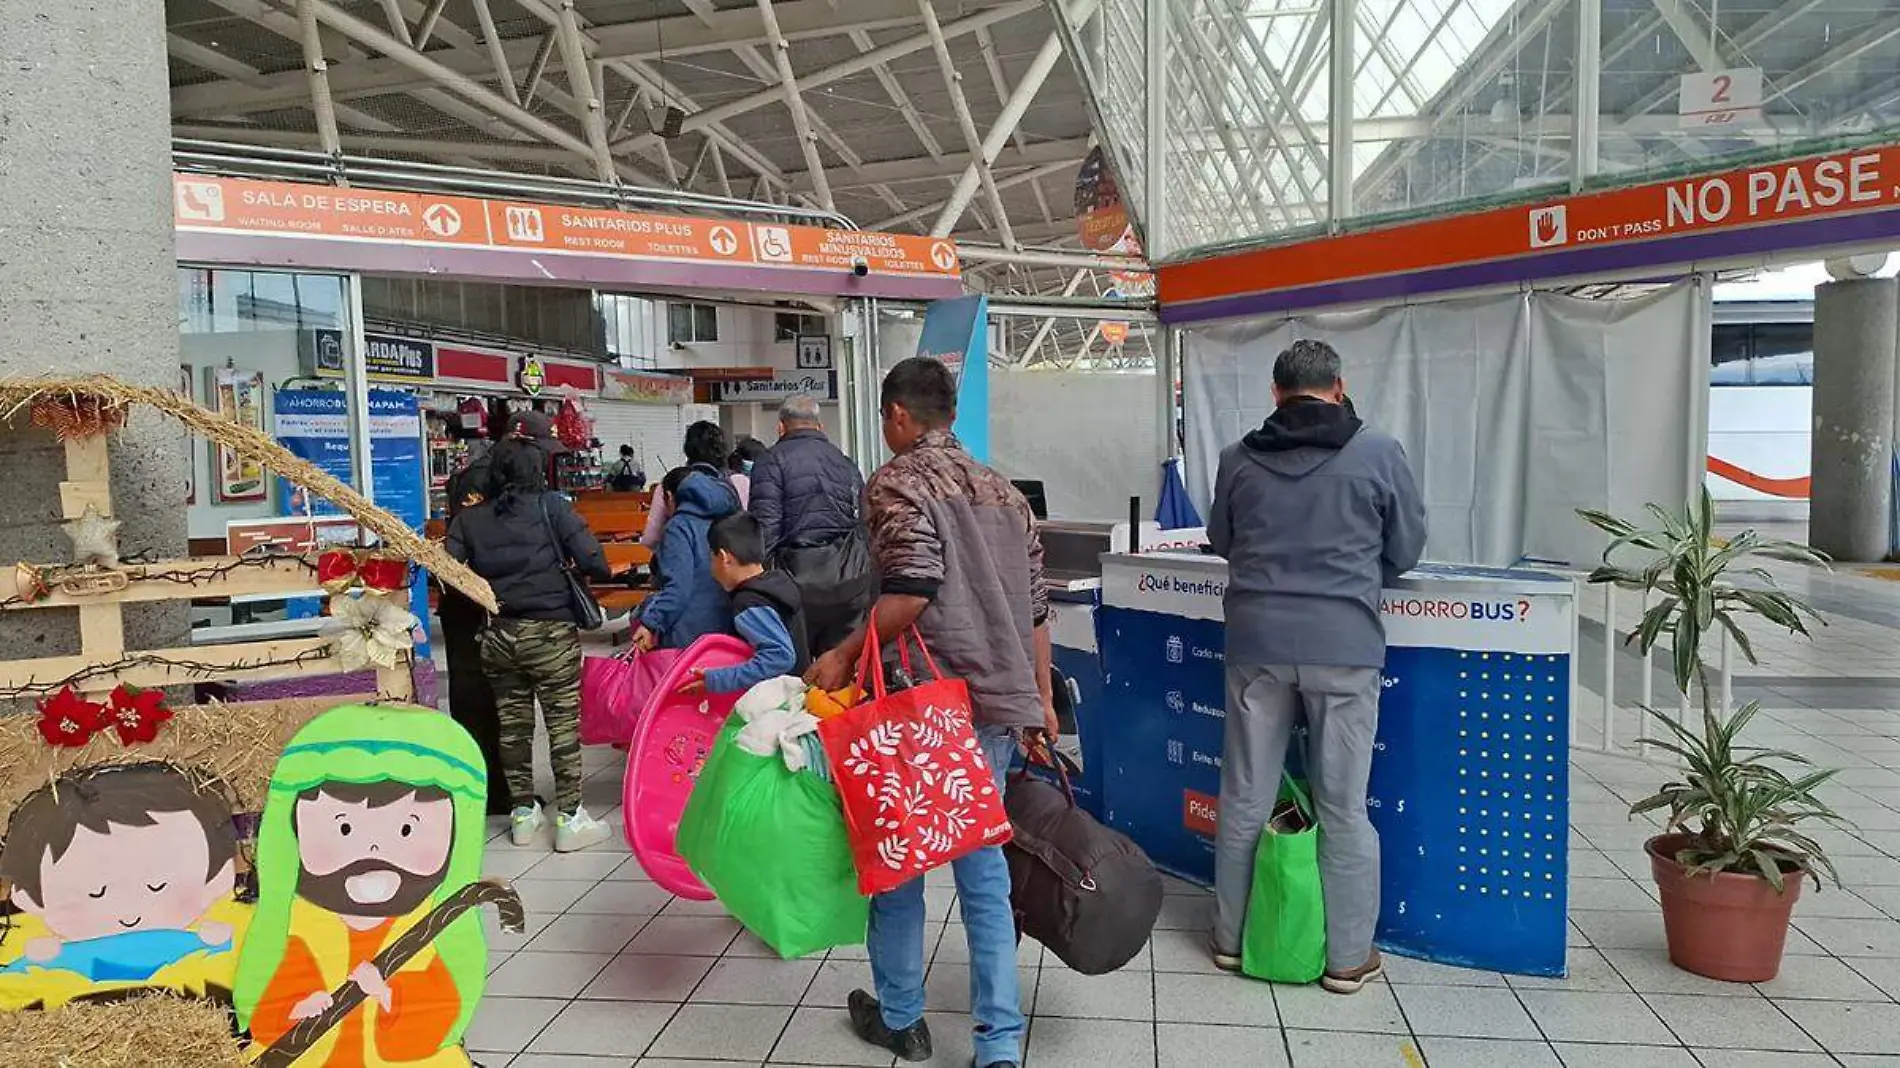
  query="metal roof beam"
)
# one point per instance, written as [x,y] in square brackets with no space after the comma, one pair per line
[929,169]
[856,65]
[979,166]
[1693,29]
[683,35]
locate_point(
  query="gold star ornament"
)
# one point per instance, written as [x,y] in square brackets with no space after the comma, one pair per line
[95,538]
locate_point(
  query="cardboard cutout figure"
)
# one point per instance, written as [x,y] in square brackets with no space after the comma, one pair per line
[124,877]
[375,816]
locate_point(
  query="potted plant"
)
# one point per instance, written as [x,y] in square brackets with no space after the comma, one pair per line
[1735,850]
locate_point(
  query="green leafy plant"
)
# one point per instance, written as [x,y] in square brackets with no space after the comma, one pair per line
[1742,811]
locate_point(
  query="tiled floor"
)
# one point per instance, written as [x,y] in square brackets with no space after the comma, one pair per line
[614,972]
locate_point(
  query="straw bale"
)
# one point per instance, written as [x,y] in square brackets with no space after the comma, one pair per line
[18,395]
[238,744]
[157,1031]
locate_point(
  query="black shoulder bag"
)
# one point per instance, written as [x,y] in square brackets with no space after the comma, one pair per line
[587,611]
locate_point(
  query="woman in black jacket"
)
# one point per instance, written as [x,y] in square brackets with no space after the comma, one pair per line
[521,540]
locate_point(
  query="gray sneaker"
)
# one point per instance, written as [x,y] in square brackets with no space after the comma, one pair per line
[525,823]
[576,832]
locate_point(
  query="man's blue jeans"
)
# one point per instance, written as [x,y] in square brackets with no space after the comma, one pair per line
[896,939]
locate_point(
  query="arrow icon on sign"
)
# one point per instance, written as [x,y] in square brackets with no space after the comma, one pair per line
[723,240]
[443,220]
[943,257]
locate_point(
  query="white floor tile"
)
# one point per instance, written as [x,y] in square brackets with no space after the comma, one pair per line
[1573,1016]
[1182,1045]
[1373,1010]
[1055,1042]
[604,1028]
[756,981]
[1589,1055]
[1330,1049]
[1123,995]
[1488,1053]
[1848,1026]
[507,1025]
[648,977]
[1755,1024]
[722,1032]
[823,1037]
[1456,1012]
[690,937]
[554,975]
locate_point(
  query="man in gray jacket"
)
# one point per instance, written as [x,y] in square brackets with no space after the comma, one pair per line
[1314,512]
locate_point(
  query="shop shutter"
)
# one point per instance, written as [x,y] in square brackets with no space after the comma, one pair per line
[654,430]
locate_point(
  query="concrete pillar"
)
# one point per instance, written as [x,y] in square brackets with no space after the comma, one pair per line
[1854,370]
[88,280]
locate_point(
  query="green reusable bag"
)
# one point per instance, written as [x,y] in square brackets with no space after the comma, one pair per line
[1285,935]
[771,843]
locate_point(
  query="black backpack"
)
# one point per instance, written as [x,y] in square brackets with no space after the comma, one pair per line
[1086,892]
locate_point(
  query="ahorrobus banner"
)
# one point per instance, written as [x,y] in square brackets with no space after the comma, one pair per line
[957,332]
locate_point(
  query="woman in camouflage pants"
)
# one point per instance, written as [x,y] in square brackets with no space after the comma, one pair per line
[520,541]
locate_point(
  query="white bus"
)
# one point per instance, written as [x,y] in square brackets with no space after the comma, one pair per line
[1761,408]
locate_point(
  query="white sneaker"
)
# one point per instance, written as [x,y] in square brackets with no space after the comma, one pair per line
[525,823]
[578,831]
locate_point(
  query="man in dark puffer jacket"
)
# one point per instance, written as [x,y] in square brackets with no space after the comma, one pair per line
[806,495]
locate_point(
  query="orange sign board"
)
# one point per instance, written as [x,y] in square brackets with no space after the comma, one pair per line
[1789,191]
[290,209]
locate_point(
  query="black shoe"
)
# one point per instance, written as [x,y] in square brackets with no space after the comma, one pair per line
[867,1021]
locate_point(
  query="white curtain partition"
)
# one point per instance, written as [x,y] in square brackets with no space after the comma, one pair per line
[1515,409]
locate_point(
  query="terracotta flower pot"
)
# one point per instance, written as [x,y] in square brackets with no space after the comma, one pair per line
[1723,925]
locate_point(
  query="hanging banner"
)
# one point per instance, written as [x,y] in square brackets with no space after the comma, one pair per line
[635,388]
[204,203]
[1100,216]
[957,332]
[1837,200]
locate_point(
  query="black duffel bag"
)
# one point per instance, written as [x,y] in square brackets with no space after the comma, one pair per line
[1086,892]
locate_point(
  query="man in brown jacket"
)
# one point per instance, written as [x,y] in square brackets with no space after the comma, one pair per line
[957,554]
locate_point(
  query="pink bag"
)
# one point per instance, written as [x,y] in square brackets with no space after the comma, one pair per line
[674,737]
[615,688]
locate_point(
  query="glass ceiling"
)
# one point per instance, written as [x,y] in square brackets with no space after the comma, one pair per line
[1455,102]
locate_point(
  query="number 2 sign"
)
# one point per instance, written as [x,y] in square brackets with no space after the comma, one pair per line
[1720,98]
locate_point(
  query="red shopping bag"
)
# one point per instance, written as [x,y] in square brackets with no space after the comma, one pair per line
[917,790]
[613,691]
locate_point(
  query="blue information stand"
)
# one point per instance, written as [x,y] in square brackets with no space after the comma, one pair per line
[315,425]
[1470,779]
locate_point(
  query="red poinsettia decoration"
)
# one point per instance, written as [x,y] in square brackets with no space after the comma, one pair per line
[69,720]
[135,714]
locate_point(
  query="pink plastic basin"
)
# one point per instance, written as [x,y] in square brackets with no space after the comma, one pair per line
[672,740]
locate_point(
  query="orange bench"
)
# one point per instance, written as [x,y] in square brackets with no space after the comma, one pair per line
[623,557]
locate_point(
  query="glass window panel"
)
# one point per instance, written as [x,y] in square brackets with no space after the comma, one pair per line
[1830,71]
[1495,80]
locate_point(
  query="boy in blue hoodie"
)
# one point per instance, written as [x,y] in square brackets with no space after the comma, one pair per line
[690,604]
[766,610]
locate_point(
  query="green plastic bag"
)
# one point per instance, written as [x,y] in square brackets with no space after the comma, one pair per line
[771,843]
[1285,936]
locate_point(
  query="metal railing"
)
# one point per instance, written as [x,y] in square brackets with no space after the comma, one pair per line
[1616,650]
